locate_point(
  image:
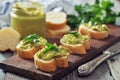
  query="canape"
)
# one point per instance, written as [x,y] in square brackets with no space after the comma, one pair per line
[48,58]
[30,45]
[95,31]
[76,42]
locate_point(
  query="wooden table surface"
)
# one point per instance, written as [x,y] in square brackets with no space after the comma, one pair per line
[109,70]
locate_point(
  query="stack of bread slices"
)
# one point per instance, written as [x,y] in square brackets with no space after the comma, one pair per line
[56,24]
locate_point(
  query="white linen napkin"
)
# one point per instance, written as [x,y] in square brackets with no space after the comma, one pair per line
[5,8]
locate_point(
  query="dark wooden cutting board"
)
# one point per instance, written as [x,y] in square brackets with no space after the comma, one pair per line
[26,67]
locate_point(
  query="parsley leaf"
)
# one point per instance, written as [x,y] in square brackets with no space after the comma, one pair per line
[31,39]
[75,33]
[98,13]
[49,47]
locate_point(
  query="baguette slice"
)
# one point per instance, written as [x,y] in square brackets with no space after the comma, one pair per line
[27,53]
[55,20]
[9,38]
[84,30]
[47,66]
[62,62]
[57,33]
[93,34]
[76,49]
[99,35]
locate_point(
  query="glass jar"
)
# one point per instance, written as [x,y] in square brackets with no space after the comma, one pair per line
[28,18]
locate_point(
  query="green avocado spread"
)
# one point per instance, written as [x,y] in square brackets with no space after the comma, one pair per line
[100,27]
[33,40]
[52,51]
[28,8]
[28,18]
[74,38]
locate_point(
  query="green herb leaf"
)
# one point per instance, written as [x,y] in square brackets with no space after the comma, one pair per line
[31,39]
[98,13]
[75,33]
[73,20]
[97,1]
[106,5]
[49,47]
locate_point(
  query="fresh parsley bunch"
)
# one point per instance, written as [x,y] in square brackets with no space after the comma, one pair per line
[99,13]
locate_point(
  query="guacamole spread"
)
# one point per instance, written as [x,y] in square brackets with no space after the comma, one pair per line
[100,27]
[28,18]
[28,8]
[32,41]
[52,51]
[74,38]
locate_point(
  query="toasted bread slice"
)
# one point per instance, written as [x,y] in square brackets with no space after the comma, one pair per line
[55,20]
[47,66]
[99,35]
[62,62]
[93,34]
[27,53]
[57,33]
[54,26]
[84,30]
[9,38]
[75,49]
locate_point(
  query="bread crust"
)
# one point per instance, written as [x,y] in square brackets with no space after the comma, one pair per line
[57,33]
[28,53]
[62,62]
[84,30]
[75,49]
[47,66]
[54,26]
[99,35]
[56,20]
[93,34]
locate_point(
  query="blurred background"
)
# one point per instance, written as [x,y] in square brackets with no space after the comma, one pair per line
[56,5]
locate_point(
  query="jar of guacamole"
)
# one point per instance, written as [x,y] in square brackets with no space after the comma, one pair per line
[28,18]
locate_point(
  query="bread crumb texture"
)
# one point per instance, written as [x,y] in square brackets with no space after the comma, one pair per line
[9,38]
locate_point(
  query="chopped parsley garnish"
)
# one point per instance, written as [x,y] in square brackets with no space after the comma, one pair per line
[31,39]
[49,47]
[75,33]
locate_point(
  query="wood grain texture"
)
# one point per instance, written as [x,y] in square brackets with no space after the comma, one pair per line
[101,73]
[26,67]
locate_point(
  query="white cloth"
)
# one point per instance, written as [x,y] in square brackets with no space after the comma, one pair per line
[5,8]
